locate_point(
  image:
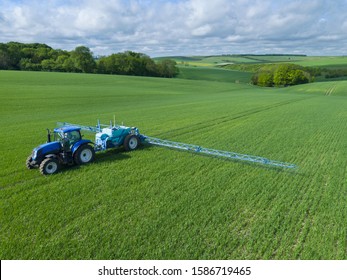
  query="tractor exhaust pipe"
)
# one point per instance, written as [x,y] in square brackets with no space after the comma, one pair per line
[48,135]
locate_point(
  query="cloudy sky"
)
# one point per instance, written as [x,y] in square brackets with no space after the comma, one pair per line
[180,27]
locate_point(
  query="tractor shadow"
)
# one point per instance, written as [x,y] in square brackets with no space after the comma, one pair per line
[111,155]
[117,154]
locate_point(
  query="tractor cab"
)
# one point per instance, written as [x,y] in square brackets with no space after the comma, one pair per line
[67,136]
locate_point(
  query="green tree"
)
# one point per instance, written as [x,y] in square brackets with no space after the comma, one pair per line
[83,60]
[265,79]
[110,64]
[69,65]
[167,68]
[41,54]
[62,56]
[5,59]
[298,77]
[26,64]
[128,63]
[36,57]
[151,68]
[14,52]
[49,64]
[281,75]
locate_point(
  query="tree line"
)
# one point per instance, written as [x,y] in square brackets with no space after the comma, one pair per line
[282,75]
[41,57]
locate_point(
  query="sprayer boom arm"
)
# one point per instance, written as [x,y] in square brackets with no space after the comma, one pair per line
[217,153]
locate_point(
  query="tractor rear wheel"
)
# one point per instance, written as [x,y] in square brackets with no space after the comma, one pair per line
[84,154]
[131,142]
[49,166]
[28,162]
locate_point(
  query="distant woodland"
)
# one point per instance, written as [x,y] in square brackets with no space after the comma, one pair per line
[41,57]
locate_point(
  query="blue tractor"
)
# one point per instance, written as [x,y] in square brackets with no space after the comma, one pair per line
[68,147]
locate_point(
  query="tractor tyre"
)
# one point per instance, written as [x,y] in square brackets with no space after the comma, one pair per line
[131,142]
[49,166]
[28,162]
[85,154]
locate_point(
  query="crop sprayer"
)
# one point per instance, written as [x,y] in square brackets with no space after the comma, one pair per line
[69,148]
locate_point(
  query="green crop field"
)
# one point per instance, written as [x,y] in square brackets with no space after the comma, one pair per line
[214,74]
[210,61]
[157,203]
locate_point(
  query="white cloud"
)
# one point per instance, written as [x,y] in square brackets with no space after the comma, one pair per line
[179,26]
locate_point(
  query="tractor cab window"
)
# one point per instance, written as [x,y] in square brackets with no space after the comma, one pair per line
[58,136]
[71,137]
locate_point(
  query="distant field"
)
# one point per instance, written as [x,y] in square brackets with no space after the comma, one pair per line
[324,61]
[242,66]
[256,59]
[214,74]
[157,203]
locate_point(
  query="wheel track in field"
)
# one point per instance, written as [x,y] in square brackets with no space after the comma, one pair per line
[329,91]
[310,201]
[19,182]
[306,201]
[193,128]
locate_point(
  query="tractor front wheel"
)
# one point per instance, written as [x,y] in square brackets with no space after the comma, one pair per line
[28,162]
[49,166]
[84,154]
[131,142]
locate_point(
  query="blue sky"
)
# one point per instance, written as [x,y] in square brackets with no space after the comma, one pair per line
[180,27]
